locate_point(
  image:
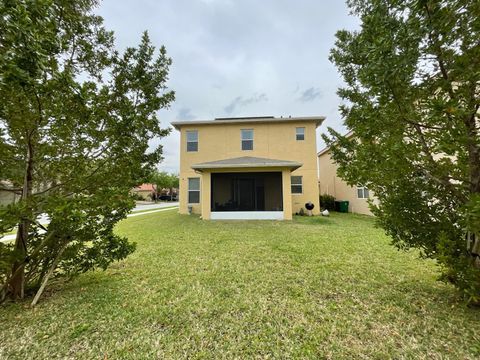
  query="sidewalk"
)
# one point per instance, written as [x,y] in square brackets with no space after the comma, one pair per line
[154,208]
[143,205]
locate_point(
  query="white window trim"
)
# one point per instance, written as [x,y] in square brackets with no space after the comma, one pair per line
[199,191]
[188,142]
[300,184]
[242,139]
[296,133]
[362,188]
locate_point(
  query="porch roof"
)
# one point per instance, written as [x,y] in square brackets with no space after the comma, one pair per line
[247,162]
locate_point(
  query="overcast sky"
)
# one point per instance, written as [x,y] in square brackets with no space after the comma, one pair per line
[239,58]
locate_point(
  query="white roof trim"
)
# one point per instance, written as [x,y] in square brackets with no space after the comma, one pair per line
[317,119]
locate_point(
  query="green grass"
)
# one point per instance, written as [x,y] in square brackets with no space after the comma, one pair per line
[310,288]
[14,231]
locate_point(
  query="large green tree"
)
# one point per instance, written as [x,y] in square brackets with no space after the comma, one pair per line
[412,97]
[76,118]
[164,180]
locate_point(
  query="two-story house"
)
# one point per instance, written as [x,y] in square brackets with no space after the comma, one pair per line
[248,168]
[331,184]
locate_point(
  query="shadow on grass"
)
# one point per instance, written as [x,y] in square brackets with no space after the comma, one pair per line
[314,220]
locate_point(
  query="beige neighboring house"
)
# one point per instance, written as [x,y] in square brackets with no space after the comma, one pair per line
[6,196]
[145,191]
[329,183]
[248,168]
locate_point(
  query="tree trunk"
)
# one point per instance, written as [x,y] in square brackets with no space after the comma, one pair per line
[47,276]
[16,283]
[17,280]
[474,162]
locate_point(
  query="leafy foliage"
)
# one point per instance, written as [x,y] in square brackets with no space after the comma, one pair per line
[76,118]
[327,202]
[412,97]
[164,180]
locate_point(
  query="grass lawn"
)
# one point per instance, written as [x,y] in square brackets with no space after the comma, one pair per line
[310,288]
[14,231]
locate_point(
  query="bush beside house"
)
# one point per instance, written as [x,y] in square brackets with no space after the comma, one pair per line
[327,202]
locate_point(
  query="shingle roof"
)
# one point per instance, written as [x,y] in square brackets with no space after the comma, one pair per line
[145,187]
[247,162]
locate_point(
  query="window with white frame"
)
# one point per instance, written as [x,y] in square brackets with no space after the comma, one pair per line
[300,133]
[362,192]
[247,139]
[192,140]
[297,184]
[194,190]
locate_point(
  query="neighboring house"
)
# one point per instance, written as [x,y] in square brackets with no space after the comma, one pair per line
[167,194]
[7,196]
[145,191]
[248,168]
[166,191]
[331,184]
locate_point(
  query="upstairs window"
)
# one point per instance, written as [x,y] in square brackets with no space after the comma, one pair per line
[247,139]
[194,190]
[297,184]
[192,140]
[362,192]
[300,133]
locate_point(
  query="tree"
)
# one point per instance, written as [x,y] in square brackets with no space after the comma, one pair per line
[412,98]
[76,118]
[164,180]
[174,183]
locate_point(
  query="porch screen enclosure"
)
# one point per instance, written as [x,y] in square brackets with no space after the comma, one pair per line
[254,191]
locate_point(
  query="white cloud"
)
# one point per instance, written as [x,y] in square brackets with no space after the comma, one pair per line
[240,101]
[229,55]
[310,94]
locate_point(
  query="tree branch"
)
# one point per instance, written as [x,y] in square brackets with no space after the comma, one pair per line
[422,125]
[71,180]
[49,273]
[445,180]
[433,38]
[16,190]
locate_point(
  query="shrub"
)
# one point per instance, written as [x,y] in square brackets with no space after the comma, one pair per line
[327,202]
[137,197]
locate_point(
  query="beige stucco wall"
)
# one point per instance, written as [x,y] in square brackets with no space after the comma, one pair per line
[271,140]
[331,184]
[8,197]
